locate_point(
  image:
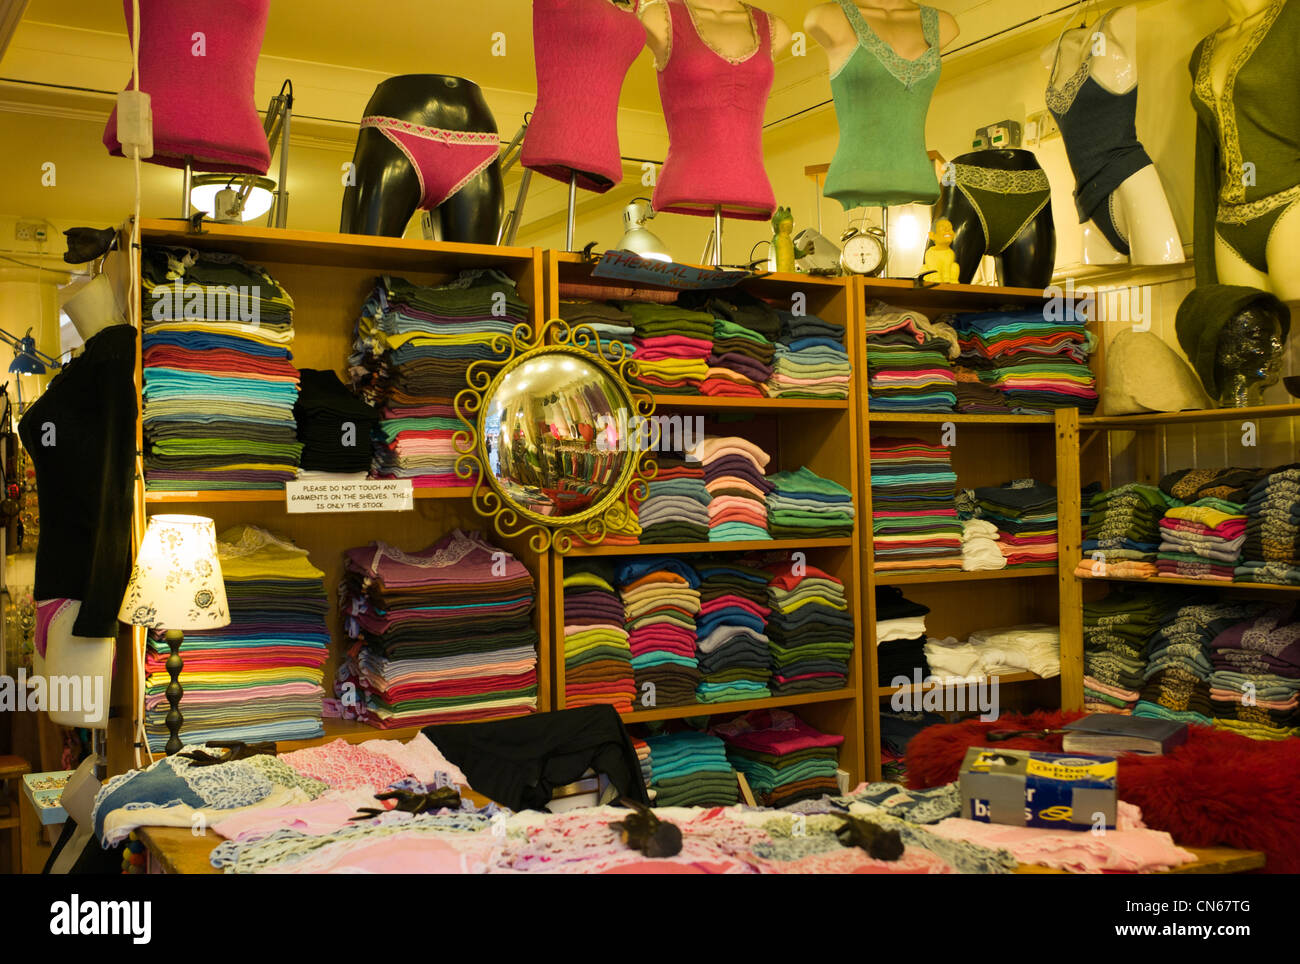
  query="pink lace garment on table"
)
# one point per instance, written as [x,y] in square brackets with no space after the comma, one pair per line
[1131,848]
[421,759]
[345,766]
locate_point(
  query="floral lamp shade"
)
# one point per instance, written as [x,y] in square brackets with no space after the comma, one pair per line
[176,582]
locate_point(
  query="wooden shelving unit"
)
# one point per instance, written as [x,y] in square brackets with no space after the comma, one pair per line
[819,433]
[990,450]
[329,276]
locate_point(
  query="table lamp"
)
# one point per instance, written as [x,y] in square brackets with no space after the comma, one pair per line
[176,585]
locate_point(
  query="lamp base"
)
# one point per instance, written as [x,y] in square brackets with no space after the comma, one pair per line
[174,639]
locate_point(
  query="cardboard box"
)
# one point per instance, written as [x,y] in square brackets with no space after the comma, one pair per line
[1023,788]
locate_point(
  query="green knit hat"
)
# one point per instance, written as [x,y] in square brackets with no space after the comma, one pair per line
[1203,315]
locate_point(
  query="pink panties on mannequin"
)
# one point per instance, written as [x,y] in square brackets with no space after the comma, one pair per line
[444,161]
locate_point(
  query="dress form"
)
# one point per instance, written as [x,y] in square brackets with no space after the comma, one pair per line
[1141,209]
[1232,42]
[896,22]
[727,42]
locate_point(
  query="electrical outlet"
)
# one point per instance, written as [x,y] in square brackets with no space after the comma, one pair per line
[29,231]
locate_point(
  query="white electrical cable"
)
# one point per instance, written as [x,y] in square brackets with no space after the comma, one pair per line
[141,739]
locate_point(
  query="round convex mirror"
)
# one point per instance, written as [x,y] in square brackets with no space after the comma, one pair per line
[554,428]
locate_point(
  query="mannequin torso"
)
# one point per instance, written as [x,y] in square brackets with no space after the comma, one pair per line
[1137,213]
[896,23]
[725,25]
[1249,106]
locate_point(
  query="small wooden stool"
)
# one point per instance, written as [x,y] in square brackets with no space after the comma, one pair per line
[12,768]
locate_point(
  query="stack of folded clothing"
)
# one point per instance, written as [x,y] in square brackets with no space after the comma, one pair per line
[1271,553]
[412,348]
[219,388]
[676,508]
[733,474]
[811,629]
[1176,681]
[1025,515]
[597,658]
[783,759]
[661,597]
[642,749]
[909,361]
[810,360]
[741,361]
[444,635]
[260,677]
[976,398]
[803,504]
[1124,528]
[731,632]
[1034,648]
[913,512]
[612,326]
[1116,631]
[900,637]
[979,546]
[1202,540]
[1255,686]
[334,426]
[1038,362]
[896,732]
[690,769]
[673,345]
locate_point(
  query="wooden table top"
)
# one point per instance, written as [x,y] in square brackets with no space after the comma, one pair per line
[179,851]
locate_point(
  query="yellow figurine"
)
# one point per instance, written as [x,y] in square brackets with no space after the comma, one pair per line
[940,261]
[784,249]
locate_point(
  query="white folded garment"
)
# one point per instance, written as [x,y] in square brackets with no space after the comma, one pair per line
[908,627]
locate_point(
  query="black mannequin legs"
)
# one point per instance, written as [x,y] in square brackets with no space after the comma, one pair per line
[388,187]
[990,197]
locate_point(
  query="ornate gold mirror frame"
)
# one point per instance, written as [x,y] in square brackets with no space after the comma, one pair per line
[571,477]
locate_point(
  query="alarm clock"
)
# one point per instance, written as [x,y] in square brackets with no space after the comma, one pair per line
[864,251]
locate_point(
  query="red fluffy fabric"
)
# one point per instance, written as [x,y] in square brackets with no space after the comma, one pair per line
[1218,789]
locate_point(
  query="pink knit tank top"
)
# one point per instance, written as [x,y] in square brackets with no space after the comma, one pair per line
[714,110]
[583,50]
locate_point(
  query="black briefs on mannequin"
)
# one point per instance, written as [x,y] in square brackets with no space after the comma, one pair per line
[1006,201]
[519,762]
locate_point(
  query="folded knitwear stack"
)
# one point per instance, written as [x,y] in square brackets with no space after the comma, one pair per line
[673,345]
[661,598]
[731,640]
[444,635]
[613,327]
[690,769]
[744,328]
[784,760]
[597,657]
[909,361]
[1034,648]
[974,397]
[1176,681]
[676,508]
[412,348]
[218,385]
[1038,362]
[811,629]
[738,490]
[803,504]
[1116,632]
[1202,540]
[260,677]
[334,426]
[1272,548]
[913,513]
[810,360]
[1124,526]
[1255,686]
[900,637]
[979,546]
[1024,512]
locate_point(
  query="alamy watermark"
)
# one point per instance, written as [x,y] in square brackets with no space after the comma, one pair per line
[655,433]
[182,302]
[53,694]
[935,694]
[1124,305]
